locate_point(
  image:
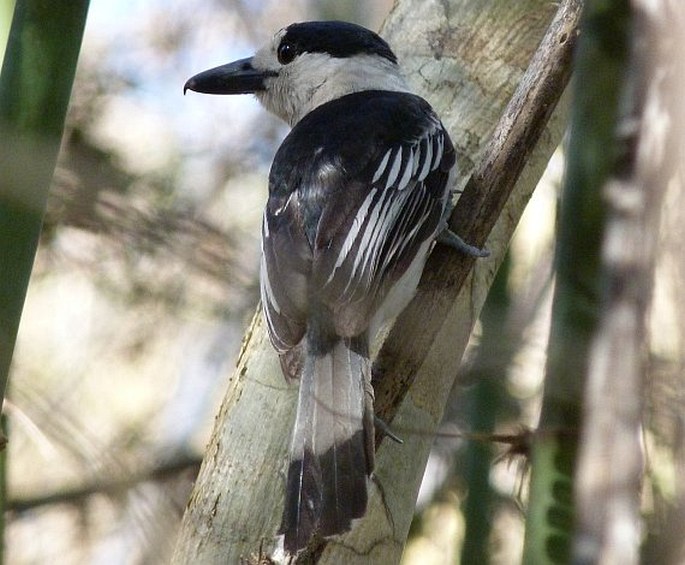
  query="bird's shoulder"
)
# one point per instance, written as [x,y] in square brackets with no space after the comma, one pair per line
[348,135]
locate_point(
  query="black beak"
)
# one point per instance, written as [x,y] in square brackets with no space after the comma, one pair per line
[239,77]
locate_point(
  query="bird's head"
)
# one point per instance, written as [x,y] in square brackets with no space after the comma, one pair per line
[306,65]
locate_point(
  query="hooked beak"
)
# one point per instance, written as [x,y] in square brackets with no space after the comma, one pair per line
[239,77]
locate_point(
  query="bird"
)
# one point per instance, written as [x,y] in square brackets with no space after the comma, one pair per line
[360,190]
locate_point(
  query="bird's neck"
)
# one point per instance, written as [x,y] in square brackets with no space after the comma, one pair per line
[326,82]
[355,76]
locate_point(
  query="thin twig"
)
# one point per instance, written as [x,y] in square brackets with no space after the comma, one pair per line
[112,486]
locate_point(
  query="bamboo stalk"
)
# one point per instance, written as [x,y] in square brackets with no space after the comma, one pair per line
[35,84]
[599,68]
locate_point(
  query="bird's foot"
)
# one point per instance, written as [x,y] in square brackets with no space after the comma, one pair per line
[385,430]
[448,237]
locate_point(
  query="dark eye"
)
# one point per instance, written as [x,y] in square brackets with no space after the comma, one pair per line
[286,53]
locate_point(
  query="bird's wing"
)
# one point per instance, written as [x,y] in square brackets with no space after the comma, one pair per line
[403,195]
[355,191]
[284,273]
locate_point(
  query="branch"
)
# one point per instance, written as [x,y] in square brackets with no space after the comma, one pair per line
[110,486]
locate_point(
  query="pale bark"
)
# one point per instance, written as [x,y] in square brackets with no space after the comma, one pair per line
[466,58]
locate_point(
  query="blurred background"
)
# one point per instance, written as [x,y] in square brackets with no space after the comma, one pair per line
[146,278]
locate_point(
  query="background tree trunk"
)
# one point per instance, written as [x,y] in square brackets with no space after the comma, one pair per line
[466,58]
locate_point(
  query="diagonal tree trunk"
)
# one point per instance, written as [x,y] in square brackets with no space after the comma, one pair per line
[466,58]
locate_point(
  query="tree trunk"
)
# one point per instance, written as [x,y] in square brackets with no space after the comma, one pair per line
[466,58]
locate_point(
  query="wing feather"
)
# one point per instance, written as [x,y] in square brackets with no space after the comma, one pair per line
[382,166]
[408,170]
[354,195]
[284,268]
[395,169]
[402,210]
[426,157]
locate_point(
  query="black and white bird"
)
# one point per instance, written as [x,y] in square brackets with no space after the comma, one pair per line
[359,191]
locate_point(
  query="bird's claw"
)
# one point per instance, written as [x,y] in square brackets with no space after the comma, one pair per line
[448,237]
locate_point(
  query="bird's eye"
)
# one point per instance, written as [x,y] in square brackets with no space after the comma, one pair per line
[286,53]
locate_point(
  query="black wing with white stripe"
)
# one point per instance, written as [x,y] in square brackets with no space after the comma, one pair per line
[357,188]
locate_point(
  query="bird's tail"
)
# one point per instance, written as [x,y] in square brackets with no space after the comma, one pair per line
[331,454]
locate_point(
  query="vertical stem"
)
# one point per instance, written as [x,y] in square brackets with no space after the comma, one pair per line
[600,67]
[610,463]
[35,85]
[486,400]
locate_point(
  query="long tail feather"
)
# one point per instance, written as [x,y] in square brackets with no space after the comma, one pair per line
[331,454]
